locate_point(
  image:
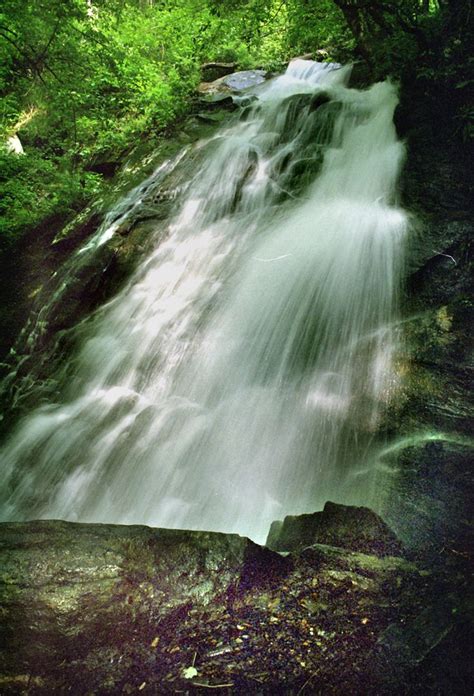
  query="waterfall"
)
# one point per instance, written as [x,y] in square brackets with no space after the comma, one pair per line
[242,372]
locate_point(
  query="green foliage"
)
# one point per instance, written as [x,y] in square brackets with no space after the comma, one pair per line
[317,25]
[82,80]
[422,42]
[34,188]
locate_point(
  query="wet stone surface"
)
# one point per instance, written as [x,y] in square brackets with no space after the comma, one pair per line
[233,83]
[111,609]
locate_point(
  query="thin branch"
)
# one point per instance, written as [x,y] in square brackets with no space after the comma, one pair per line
[309,679]
[50,41]
[212,686]
[21,51]
[49,69]
[7,29]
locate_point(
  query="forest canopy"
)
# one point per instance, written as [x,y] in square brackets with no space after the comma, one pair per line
[83,78]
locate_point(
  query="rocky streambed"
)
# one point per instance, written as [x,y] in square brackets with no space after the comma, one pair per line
[104,609]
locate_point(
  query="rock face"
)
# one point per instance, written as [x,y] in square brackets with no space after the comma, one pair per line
[105,609]
[112,609]
[429,423]
[354,528]
[431,503]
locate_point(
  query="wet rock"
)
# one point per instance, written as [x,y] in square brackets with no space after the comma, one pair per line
[318,100]
[308,117]
[445,274]
[355,528]
[232,84]
[245,101]
[434,366]
[212,117]
[301,173]
[361,75]
[245,79]
[430,499]
[429,479]
[115,609]
[430,482]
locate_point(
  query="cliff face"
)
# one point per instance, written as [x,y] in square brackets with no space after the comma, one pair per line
[428,425]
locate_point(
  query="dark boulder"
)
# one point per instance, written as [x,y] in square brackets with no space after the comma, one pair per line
[108,168]
[355,528]
[429,505]
[212,71]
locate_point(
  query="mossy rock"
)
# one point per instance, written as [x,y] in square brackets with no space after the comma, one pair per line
[116,609]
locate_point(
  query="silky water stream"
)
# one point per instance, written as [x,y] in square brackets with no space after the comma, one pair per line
[242,372]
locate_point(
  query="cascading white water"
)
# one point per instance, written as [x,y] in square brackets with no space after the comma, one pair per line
[240,375]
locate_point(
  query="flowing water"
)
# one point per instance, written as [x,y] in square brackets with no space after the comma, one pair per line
[241,374]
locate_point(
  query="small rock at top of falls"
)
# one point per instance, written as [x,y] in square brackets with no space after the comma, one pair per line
[245,79]
[236,82]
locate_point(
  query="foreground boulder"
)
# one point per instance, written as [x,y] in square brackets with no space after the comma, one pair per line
[113,609]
